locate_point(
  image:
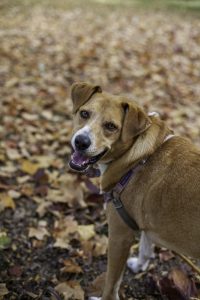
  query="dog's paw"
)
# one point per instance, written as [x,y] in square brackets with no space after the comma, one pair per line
[94,298]
[134,265]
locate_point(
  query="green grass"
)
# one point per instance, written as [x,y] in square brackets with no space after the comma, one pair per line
[181,5]
[175,5]
[186,6]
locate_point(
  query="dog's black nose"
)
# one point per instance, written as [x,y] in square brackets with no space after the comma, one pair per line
[82,142]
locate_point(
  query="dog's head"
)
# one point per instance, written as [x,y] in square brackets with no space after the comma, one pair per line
[104,125]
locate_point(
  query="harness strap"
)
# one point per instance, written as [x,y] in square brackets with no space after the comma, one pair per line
[114,196]
[123,212]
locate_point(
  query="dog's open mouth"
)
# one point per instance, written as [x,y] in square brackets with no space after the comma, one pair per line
[80,162]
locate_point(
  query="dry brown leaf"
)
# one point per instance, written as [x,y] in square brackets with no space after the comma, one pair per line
[13,154]
[70,290]
[100,245]
[96,287]
[14,194]
[23,179]
[2,157]
[95,247]
[62,242]
[45,161]
[86,232]
[64,230]
[42,207]
[29,167]
[27,190]
[71,266]
[6,201]
[166,255]
[3,290]
[12,82]
[184,284]
[38,233]
[56,196]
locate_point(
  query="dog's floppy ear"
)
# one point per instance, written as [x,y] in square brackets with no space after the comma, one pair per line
[81,92]
[135,121]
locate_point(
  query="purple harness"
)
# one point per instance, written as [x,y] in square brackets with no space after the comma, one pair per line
[114,196]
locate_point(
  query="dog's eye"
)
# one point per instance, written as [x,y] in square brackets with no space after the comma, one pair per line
[84,114]
[110,126]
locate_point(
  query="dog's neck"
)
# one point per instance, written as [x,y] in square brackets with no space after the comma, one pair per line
[143,147]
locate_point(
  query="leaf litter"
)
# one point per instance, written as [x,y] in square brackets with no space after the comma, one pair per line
[53,227]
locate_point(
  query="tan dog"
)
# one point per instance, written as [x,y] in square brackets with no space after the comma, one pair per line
[163,197]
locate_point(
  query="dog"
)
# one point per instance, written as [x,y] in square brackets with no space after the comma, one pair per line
[163,194]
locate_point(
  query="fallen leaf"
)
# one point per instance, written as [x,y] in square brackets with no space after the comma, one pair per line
[42,207]
[177,286]
[29,167]
[167,289]
[14,194]
[12,82]
[64,230]
[41,177]
[166,255]
[2,157]
[71,266]
[6,202]
[96,287]
[62,243]
[27,190]
[184,284]
[45,161]
[13,154]
[23,179]
[100,245]
[3,290]
[70,290]
[38,233]
[86,232]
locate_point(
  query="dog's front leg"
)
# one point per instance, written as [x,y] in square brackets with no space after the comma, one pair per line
[121,238]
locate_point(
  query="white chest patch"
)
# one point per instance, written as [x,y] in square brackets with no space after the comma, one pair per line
[102,168]
[153,114]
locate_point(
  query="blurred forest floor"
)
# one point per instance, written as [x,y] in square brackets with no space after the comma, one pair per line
[53,232]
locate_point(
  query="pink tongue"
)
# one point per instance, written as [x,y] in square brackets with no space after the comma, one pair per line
[79,159]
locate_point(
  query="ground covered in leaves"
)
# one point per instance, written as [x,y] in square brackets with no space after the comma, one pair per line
[53,231]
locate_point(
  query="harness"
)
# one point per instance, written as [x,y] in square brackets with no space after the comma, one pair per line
[114,196]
